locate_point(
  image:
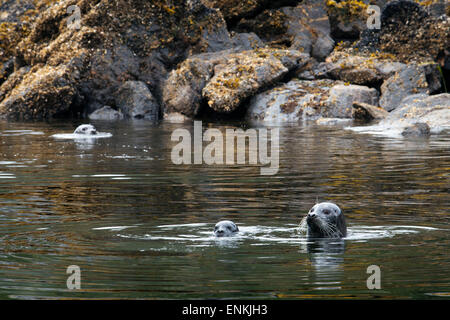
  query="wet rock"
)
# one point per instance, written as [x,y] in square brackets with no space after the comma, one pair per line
[293,101]
[246,41]
[106,113]
[234,10]
[6,69]
[136,101]
[419,108]
[360,68]
[368,112]
[39,88]
[411,80]
[408,31]
[348,18]
[332,121]
[433,110]
[242,75]
[136,40]
[224,80]
[417,130]
[305,28]
[342,97]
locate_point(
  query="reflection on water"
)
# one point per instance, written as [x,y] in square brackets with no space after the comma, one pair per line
[141,227]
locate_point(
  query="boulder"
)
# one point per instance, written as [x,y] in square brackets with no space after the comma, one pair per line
[223,81]
[136,41]
[360,68]
[418,129]
[291,102]
[368,112]
[304,28]
[433,110]
[136,101]
[411,80]
[106,113]
[341,98]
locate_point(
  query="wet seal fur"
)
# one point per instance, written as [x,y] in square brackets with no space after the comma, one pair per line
[225,228]
[325,220]
[87,129]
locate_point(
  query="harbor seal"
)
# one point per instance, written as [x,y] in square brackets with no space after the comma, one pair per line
[225,228]
[325,220]
[87,129]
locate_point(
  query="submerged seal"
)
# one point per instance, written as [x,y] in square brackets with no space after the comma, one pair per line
[325,220]
[225,228]
[87,129]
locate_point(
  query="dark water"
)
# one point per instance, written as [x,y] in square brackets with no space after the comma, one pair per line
[139,226]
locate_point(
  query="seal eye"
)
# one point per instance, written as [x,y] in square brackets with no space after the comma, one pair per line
[326,211]
[215,228]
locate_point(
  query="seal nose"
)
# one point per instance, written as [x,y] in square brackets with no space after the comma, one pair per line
[311,216]
[220,232]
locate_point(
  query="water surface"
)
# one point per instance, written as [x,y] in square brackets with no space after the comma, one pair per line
[140,226]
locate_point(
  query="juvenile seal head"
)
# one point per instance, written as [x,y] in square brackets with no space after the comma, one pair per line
[326,220]
[225,228]
[86,129]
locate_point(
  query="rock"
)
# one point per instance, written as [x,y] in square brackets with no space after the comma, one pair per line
[40,88]
[305,28]
[242,75]
[6,69]
[136,40]
[419,108]
[234,10]
[359,68]
[332,121]
[347,18]
[368,112]
[136,101]
[408,31]
[106,113]
[293,101]
[418,129]
[175,117]
[410,80]
[341,99]
[246,41]
[224,80]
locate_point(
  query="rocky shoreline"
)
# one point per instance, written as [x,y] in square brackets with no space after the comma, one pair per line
[277,61]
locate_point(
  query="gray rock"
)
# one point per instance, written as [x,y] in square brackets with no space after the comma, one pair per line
[420,108]
[293,101]
[224,80]
[135,100]
[341,99]
[411,80]
[106,113]
[246,41]
[368,112]
[359,69]
[418,129]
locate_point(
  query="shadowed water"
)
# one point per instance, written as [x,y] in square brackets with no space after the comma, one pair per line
[139,226]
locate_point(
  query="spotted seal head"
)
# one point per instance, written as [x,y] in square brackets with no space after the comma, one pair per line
[87,129]
[225,228]
[326,220]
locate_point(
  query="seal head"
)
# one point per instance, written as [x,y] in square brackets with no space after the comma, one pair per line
[86,129]
[326,220]
[225,228]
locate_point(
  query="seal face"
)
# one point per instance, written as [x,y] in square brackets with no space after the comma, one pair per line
[326,220]
[86,129]
[225,228]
